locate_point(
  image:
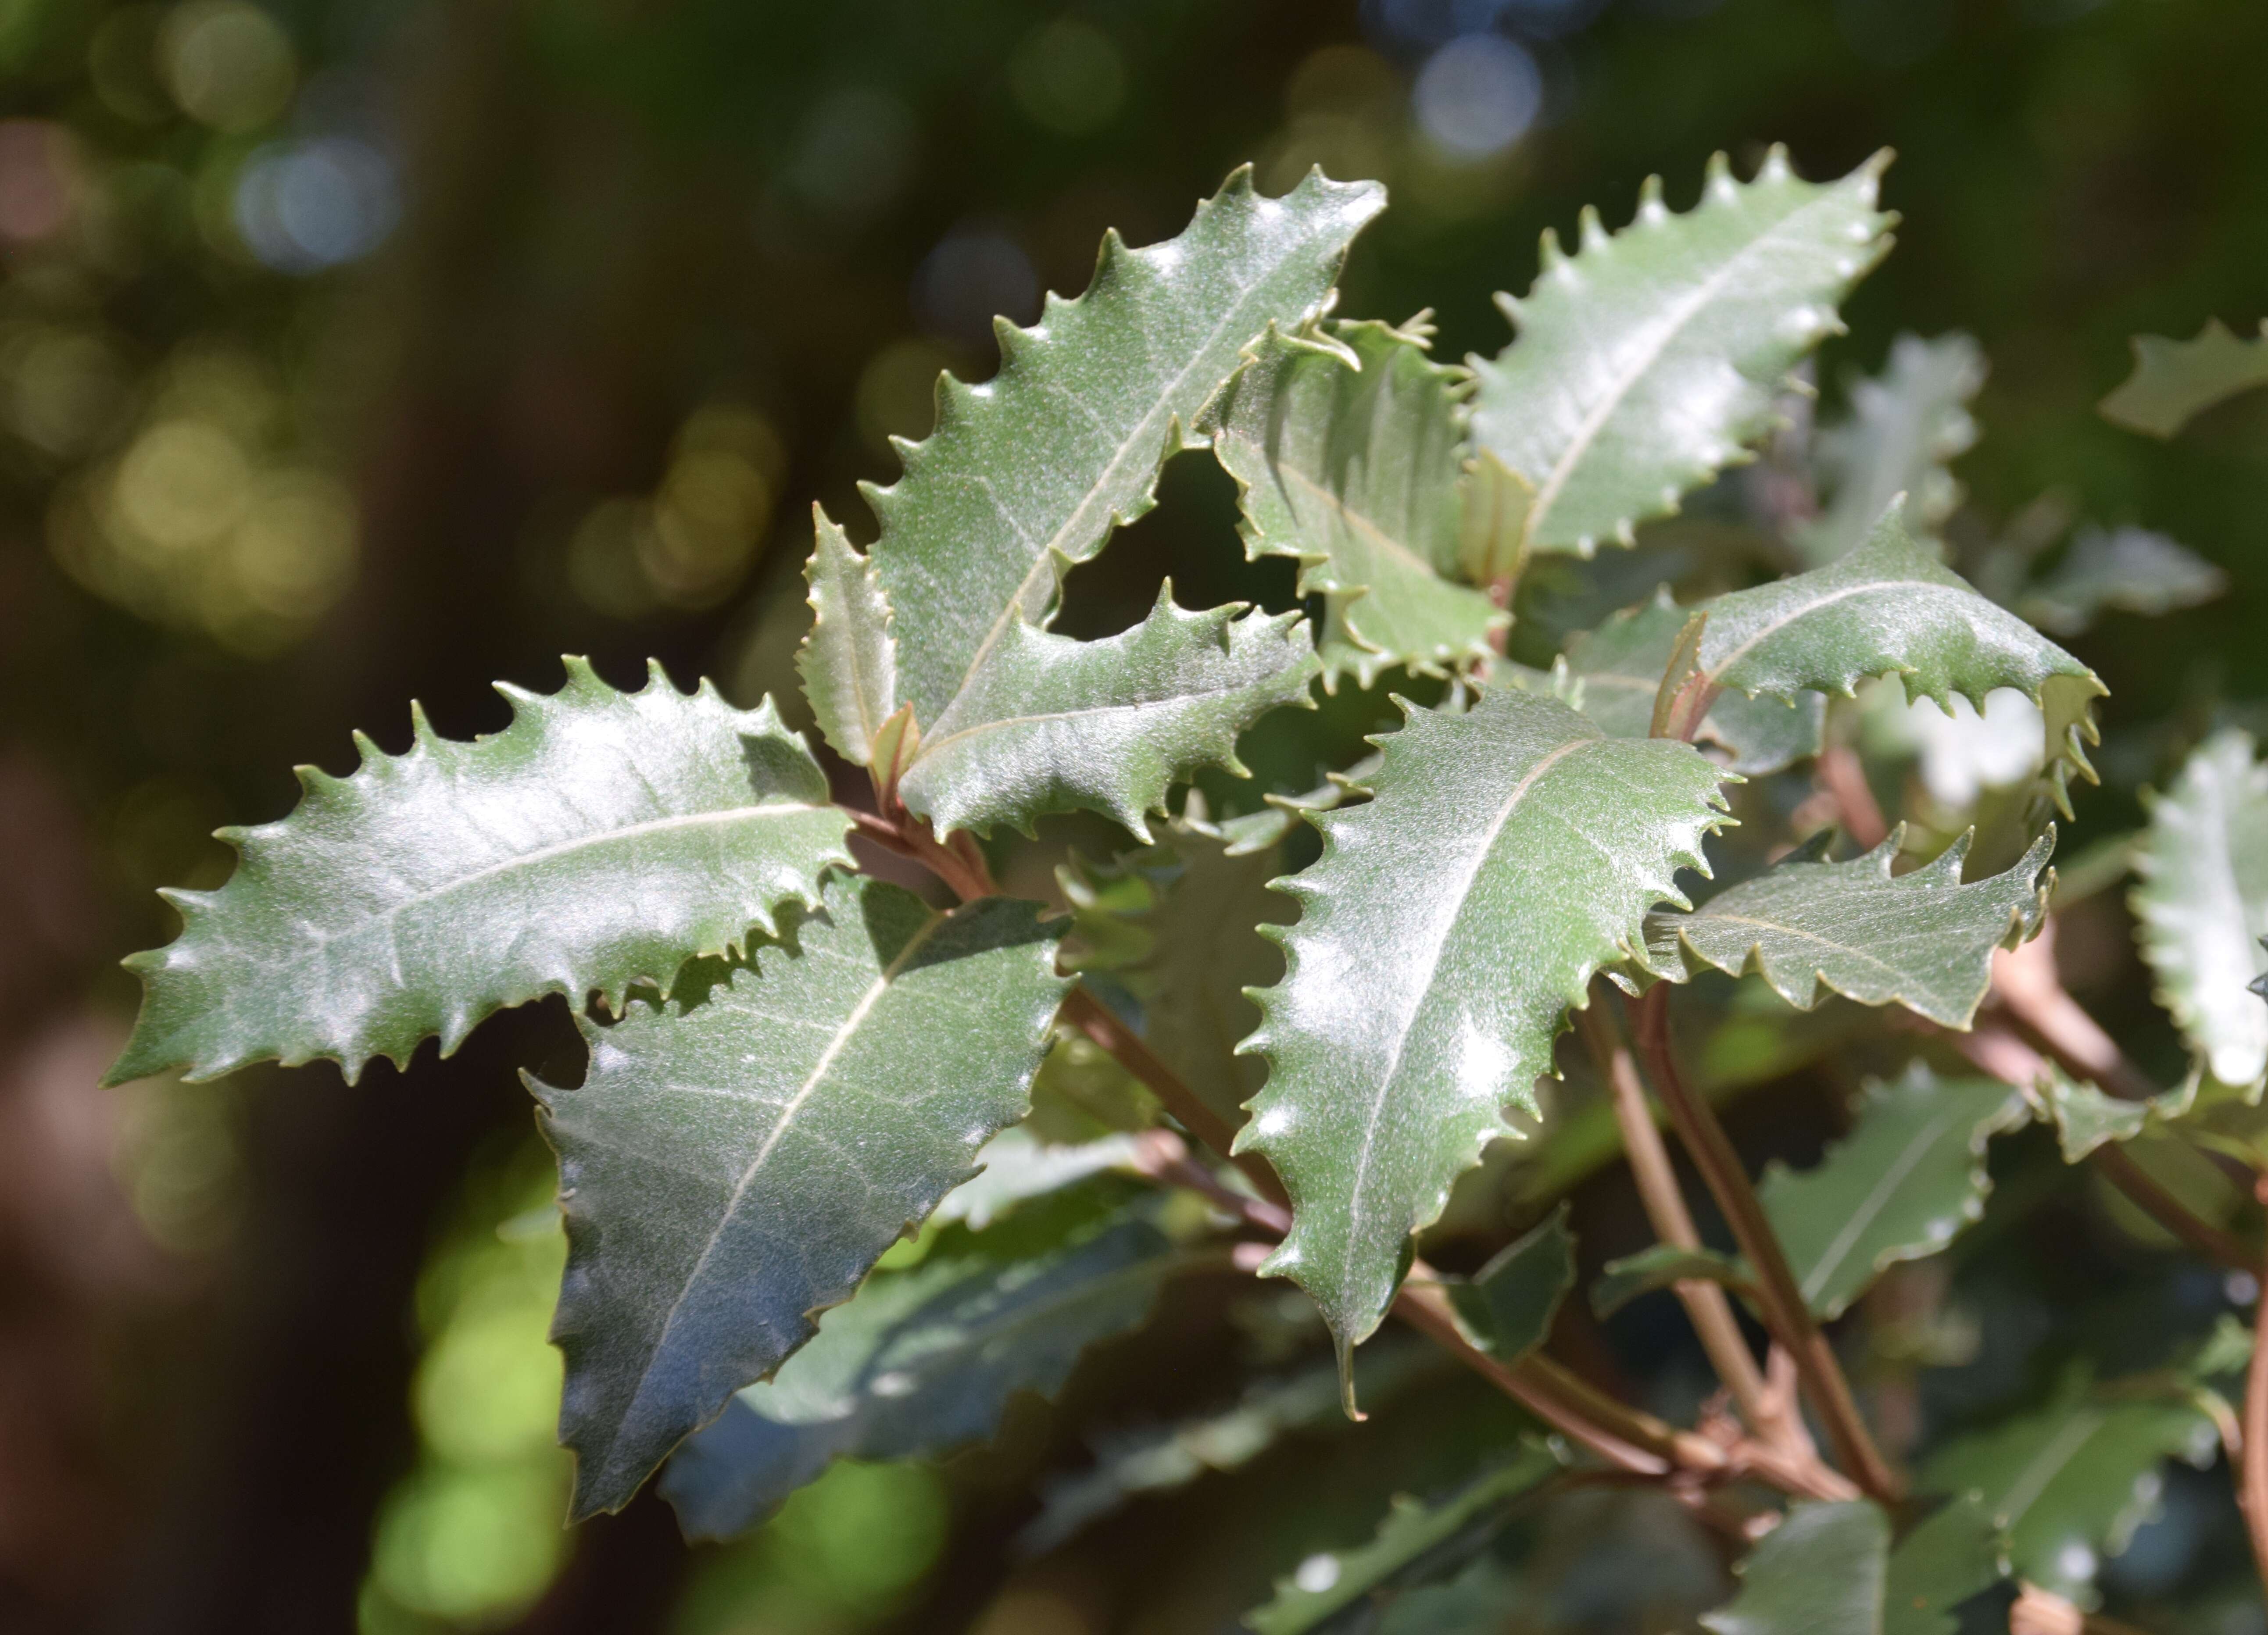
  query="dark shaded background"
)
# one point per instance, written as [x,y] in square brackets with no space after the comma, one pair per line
[500,331]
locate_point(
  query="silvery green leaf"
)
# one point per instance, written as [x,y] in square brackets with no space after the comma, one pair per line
[1028,472]
[601,839]
[1922,939]
[1891,608]
[1506,1309]
[2128,570]
[918,1363]
[2086,1118]
[1649,360]
[2174,381]
[731,1168]
[1016,1166]
[1613,673]
[850,660]
[1347,450]
[1905,426]
[1507,855]
[2203,903]
[1050,724]
[1907,1180]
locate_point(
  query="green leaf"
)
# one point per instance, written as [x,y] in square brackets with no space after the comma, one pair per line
[1823,1571]
[1347,450]
[2071,1482]
[1049,723]
[1647,360]
[1506,1309]
[1330,1584]
[1016,1166]
[1890,608]
[1907,1180]
[601,839]
[2203,903]
[1613,673]
[1922,940]
[1507,855]
[2129,570]
[1027,473]
[729,1168]
[2174,381]
[1660,1266]
[2086,1118]
[1959,1552]
[1904,426]
[850,660]
[917,1364]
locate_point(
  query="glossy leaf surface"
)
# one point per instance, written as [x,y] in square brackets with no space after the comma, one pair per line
[918,1363]
[2175,381]
[601,839]
[730,1168]
[1507,855]
[1905,425]
[850,660]
[2203,903]
[1647,360]
[1922,939]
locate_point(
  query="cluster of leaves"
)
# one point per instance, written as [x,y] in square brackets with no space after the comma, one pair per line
[795,1065]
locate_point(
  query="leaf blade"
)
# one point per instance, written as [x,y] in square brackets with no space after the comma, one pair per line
[1905,426]
[2175,381]
[848,662]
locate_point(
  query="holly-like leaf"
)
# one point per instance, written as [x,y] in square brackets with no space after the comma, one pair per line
[2086,1118]
[729,1168]
[1049,723]
[1347,450]
[601,839]
[2174,381]
[1330,1584]
[1506,1307]
[1660,1266]
[2128,570]
[919,1363]
[1649,360]
[1506,854]
[1829,1569]
[1017,1167]
[850,660]
[1613,673]
[1959,1552]
[2203,903]
[1907,1180]
[1027,473]
[1922,940]
[1905,425]
[2071,1482]
[1891,608]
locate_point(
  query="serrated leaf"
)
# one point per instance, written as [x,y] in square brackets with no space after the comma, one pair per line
[1016,1167]
[1506,1309]
[1347,451]
[850,661]
[1614,671]
[1050,724]
[2203,903]
[1027,473]
[730,1168]
[1959,1552]
[2071,1482]
[1411,1531]
[2085,1119]
[2174,381]
[1922,939]
[1506,854]
[1904,426]
[1907,1180]
[1660,1266]
[2129,570]
[1890,608]
[1823,1571]
[1645,363]
[601,839]
[918,1363]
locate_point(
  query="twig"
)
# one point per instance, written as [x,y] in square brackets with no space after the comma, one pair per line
[954,860]
[1786,1311]
[1705,1303]
[1844,776]
[2024,979]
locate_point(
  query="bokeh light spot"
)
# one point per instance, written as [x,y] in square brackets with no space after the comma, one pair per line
[1477,95]
[228,64]
[1069,76]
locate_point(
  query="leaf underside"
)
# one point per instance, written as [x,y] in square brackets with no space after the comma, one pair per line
[1347,450]
[2174,381]
[599,841]
[1505,856]
[1905,425]
[918,1363]
[1922,940]
[730,1168]
[1647,362]
[2203,903]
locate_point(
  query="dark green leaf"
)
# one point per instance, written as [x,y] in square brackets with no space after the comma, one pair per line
[1506,1307]
[1959,1552]
[1659,1266]
[1822,1571]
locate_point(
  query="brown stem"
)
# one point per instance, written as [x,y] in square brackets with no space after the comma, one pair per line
[953,860]
[2255,1486]
[1706,1304]
[1785,1309]
[1844,776]
[2025,981]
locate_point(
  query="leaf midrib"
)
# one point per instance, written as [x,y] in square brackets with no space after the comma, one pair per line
[1198,696]
[1870,1208]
